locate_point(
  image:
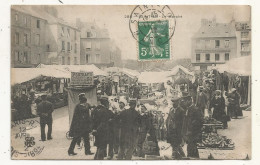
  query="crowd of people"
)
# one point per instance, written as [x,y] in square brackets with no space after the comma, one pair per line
[125,130]
[124,127]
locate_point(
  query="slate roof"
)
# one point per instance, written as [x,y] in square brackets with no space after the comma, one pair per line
[216,30]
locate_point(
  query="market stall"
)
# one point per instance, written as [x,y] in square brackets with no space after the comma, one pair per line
[28,84]
[236,73]
[151,82]
[81,82]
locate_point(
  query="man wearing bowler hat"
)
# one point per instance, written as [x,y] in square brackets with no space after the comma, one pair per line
[45,109]
[101,119]
[174,124]
[129,122]
[191,130]
[81,125]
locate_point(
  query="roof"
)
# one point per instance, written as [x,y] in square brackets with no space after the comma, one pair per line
[240,65]
[152,77]
[38,12]
[130,72]
[177,68]
[28,10]
[21,75]
[216,30]
[76,68]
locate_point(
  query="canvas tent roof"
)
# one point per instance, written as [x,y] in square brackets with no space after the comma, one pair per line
[21,75]
[152,77]
[130,72]
[77,68]
[177,68]
[240,65]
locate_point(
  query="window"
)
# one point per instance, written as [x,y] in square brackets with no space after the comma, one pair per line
[25,57]
[38,23]
[75,49]
[197,57]
[48,47]
[98,45]
[63,60]
[16,17]
[25,21]
[75,34]
[68,32]
[68,62]
[25,39]
[245,47]
[62,31]
[87,58]
[63,45]
[226,56]
[97,58]
[88,45]
[226,43]
[68,46]
[217,43]
[16,56]
[37,39]
[16,38]
[244,34]
[207,57]
[93,34]
[75,61]
[39,58]
[197,43]
[207,43]
[88,34]
[216,57]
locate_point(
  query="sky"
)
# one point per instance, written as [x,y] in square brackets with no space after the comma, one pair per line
[113,18]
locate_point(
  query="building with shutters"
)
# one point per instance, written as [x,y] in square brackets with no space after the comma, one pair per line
[37,36]
[243,33]
[96,47]
[214,44]
[27,37]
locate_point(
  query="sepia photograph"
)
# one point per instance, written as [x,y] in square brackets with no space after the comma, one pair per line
[130,82]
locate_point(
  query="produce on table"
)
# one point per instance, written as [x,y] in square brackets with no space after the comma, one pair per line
[208,120]
[213,140]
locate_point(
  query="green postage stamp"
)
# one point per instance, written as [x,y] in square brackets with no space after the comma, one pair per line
[153,40]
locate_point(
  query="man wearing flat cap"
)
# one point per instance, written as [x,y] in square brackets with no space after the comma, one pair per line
[174,124]
[129,122]
[81,125]
[191,129]
[45,109]
[122,103]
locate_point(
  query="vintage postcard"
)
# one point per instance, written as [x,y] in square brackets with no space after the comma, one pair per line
[145,82]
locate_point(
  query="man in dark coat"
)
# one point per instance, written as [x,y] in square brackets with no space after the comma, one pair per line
[191,129]
[201,101]
[101,117]
[234,104]
[146,124]
[129,121]
[174,124]
[81,125]
[45,109]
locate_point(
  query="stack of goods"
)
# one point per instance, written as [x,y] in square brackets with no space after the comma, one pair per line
[208,120]
[213,140]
